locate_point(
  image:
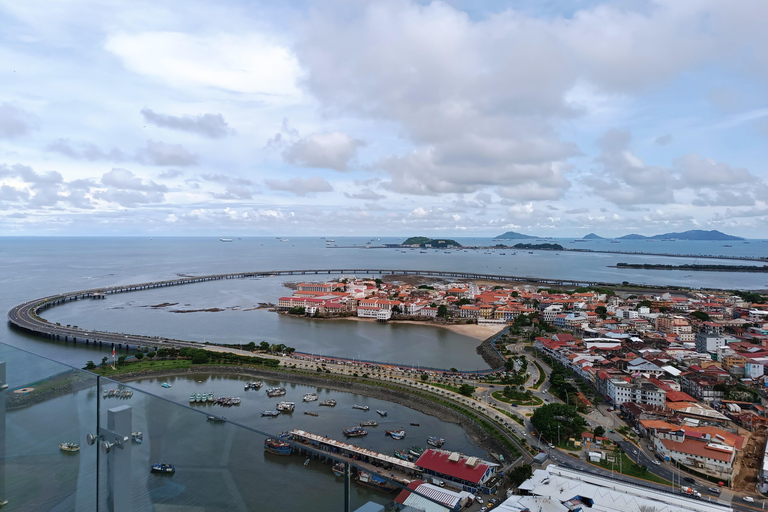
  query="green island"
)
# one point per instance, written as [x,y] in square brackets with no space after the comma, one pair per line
[540,247]
[437,243]
[705,268]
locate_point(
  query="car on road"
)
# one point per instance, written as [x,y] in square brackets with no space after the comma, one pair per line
[611,430]
[656,462]
[479,499]
[689,480]
[714,490]
[748,499]
[634,452]
[551,445]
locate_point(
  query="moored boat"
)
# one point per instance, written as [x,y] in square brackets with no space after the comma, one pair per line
[216,419]
[369,423]
[328,403]
[309,413]
[69,447]
[395,434]
[381,413]
[416,451]
[277,446]
[310,397]
[137,437]
[375,481]
[270,413]
[211,398]
[355,432]
[361,407]
[286,406]
[402,454]
[414,424]
[435,441]
[166,469]
[166,385]
[192,398]
[199,397]
[338,469]
[278,391]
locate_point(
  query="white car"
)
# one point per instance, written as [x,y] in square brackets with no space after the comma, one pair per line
[479,499]
[551,445]
[748,499]
[656,462]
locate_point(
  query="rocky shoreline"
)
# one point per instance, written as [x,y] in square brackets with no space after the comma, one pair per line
[476,433]
[489,354]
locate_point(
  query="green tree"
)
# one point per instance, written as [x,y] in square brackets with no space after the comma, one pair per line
[520,474]
[396,309]
[89,365]
[466,389]
[139,355]
[151,354]
[442,310]
[424,377]
[200,357]
[701,315]
[463,302]
[601,311]
[546,418]
[264,346]
[599,431]
[121,361]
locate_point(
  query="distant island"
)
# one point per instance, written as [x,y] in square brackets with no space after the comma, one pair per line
[437,243]
[693,234]
[511,235]
[540,247]
[706,268]
[593,236]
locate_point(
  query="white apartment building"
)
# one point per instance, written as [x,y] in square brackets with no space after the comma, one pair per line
[641,391]
[710,342]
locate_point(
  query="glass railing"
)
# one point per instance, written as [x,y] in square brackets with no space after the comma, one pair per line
[72,440]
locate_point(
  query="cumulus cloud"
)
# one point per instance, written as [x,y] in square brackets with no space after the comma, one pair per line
[300,186]
[663,140]
[697,172]
[212,126]
[85,151]
[14,122]
[332,150]
[366,194]
[161,153]
[234,188]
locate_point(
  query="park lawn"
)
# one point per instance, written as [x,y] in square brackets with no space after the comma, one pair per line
[170,364]
[499,395]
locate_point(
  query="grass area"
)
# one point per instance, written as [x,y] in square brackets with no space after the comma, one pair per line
[140,366]
[534,401]
[515,417]
[448,387]
[629,468]
[542,376]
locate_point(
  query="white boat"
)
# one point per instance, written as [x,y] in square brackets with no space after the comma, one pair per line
[310,397]
[69,447]
[361,407]
[225,239]
[286,406]
[381,413]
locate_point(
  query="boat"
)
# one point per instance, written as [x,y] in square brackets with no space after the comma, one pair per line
[137,437]
[381,413]
[395,434]
[69,447]
[414,424]
[270,413]
[375,481]
[338,469]
[236,401]
[355,432]
[435,441]
[416,451]
[216,419]
[328,403]
[166,469]
[192,398]
[306,462]
[199,397]
[361,407]
[273,392]
[369,423]
[402,454]
[253,385]
[286,406]
[277,446]
[310,397]
[211,398]
[225,239]
[166,385]
[309,413]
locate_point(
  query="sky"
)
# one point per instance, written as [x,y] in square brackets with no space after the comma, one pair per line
[392,117]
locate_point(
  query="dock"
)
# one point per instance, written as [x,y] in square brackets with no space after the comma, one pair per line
[361,456]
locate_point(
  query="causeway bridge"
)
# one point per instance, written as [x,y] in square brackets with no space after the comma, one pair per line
[26,317]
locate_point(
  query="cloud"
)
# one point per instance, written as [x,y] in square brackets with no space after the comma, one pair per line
[160,153]
[324,150]
[366,194]
[9,194]
[697,172]
[14,122]
[85,151]
[663,140]
[234,188]
[212,126]
[125,179]
[300,186]
[170,174]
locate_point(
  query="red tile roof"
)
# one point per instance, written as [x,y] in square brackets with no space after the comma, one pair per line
[437,461]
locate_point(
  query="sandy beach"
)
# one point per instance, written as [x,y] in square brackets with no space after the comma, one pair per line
[478,332]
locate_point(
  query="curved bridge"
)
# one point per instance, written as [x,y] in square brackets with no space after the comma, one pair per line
[26,316]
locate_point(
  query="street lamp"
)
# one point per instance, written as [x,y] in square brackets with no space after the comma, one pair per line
[558,434]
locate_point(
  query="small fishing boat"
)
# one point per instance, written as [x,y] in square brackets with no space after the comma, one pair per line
[273,392]
[369,423]
[198,397]
[435,441]
[236,400]
[416,451]
[306,462]
[310,397]
[166,385]
[166,469]
[402,454]
[381,413]
[137,437]
[338,469]
[395,434]
[361,407]
[216,419]
[211,398]
[414,424]
[270,413]
[328,403]
[309,413]
[69,447]
[355,432]
[192,398]
[375,481]
[277,446]
[286,406]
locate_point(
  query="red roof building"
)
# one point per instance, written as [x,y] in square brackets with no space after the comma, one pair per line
[470,472]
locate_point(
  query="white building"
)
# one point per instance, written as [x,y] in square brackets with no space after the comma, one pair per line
[642,391]
[710,342]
